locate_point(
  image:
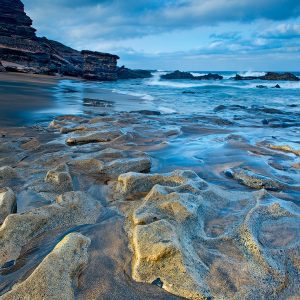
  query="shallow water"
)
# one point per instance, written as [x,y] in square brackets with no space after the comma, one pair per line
[195,132]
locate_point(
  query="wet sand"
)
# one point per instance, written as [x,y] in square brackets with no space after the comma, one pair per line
[226,228]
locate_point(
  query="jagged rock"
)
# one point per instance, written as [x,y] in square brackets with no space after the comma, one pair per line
[7,172]
[8,203]
[269,76]
[22,51]
[277,86]
[125,73]
[99,66]
[209,76]
[56,276]
[255,181]
[199,241]
[99,137]
[72,208]
[178,75]
[186,75]
[60,178]
[132,183]
[2,69]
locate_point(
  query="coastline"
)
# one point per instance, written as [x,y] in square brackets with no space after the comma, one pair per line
[115,188]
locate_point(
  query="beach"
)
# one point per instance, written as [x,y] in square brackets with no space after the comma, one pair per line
[147,199]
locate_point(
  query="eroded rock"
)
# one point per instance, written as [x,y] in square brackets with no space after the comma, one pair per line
[70,209]
[60,178]
[254,180]
[57,275]
[7,172]
[8,203]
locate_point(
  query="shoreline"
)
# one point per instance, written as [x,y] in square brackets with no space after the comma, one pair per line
[70,185]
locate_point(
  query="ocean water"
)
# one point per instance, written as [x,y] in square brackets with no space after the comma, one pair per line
[190,96]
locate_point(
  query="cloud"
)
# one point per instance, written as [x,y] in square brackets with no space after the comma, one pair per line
[119,19]
[282,31]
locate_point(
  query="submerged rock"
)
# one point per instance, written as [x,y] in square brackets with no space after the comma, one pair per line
[254,180]
[57,275]
[7,172]
[8,203]
[70,209]
[97,102]
[284,148]
[98,137]
[261,86]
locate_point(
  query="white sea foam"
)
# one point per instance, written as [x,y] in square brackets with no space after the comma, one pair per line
[252,73]
[166,110]
[135,94]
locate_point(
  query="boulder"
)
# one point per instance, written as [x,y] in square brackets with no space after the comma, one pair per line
[8,203]
[125,73]
[56,276]
[60,178]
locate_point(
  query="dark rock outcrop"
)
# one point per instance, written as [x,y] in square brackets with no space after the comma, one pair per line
[22,51]
[269,76]
[125,73]
[2,69]
[186,75]
[209,76]
[178,75]
[99,66]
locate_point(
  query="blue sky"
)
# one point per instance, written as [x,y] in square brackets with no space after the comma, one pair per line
[178,34]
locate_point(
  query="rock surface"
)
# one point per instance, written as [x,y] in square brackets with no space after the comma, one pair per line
[8,203]
[72,208]
[99,66]
[57,275]
[125,73]
[269,76]
[22,51]
[186,75]
[191,240]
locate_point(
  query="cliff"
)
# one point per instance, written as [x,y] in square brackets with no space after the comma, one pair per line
[22,51]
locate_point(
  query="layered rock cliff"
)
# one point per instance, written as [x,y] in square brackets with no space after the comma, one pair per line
[22,51]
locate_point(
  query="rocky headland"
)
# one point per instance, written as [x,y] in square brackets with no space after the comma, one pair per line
[22,51]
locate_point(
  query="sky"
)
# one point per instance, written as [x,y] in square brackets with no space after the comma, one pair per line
[211,35]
